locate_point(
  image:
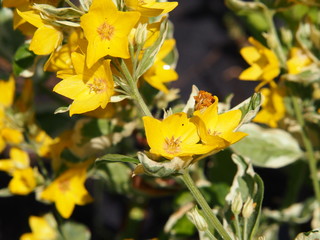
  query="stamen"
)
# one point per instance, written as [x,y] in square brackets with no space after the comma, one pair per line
[172,145]
[203,100]
[105,31]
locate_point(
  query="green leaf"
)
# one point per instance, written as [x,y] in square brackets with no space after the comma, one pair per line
[151,52]
[249,184]
[23,59]
[116,158]
[249,108]
[116,176]
[272,148]
[62,110]
[153,167]
[75,231]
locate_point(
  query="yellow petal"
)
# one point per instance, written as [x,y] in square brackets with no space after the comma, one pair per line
[7,93]
[41,228]
[31,17]
[23,182]
[65,205]
[250,54]
[153,132]
[228,121]
[45,40]
[71,87]
[7,165]
[252,73]
[12,136]
[20,158]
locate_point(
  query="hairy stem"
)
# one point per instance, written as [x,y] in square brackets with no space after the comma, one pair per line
[210,217]
[308,146]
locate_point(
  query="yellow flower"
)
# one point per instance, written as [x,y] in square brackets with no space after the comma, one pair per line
[90,88]
[46,38]
[8,134]
[107,30]
[273,108]
[42,143]
[23,181]
[43,228]
[19,159]
[218,130]
[174,136]
[298,60]
[7,93]
[161,72]
[68,190]
[18,165]
[264,65]
[150,8]
[61,58]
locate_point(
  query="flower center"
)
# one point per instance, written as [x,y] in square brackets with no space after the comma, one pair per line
[64,185]
[105,31]
[203,100]
[172,145]
[213,132]
[97,86]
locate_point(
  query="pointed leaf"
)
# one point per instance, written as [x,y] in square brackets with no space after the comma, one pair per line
[108,158]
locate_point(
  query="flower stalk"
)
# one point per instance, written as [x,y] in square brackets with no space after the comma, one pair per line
[211,218]
[134,92]
[274,35]
[308,146]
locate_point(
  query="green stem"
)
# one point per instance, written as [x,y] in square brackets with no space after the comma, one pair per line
[308,146]
[273,33]
[237,225]
[210,235]
[135,94]
[211,218]
[245,226]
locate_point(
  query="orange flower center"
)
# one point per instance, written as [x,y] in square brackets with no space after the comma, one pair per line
[203,100]
[64,185]
[172,145]
[105,31]
[98,86]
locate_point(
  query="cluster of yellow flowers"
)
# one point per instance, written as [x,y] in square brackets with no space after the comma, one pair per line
[83,50]
[205,132]
[94,49]
[265,67]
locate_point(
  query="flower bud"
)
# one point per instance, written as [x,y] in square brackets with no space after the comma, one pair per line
[195,217]
[141,34]
[238,5]
[286,36]
[271,40]
[248,208]
[237,204]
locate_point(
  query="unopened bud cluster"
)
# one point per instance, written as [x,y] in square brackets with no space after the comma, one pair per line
[238,207]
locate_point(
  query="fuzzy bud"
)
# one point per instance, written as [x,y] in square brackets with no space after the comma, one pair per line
[271,40]
[286,36]
[195,217]
[248,208]
[237,204]
[240,6]
[141,34]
